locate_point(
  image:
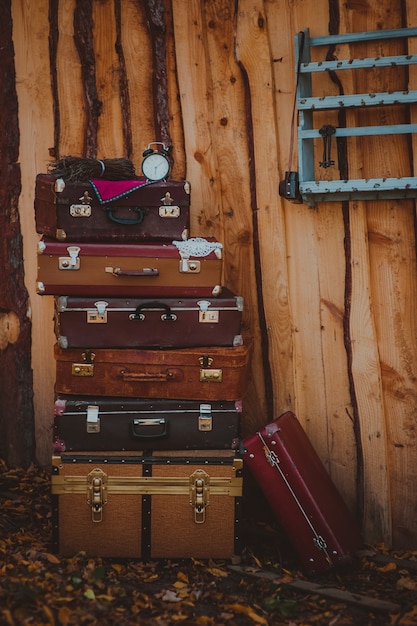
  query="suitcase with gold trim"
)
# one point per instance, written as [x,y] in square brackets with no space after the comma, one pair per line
[105,210]
[202,373]
[165,505]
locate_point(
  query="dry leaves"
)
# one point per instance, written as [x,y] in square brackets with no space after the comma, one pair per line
[40,588]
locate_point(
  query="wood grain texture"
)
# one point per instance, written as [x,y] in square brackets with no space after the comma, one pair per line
[36,138]
[254,55]
[72,114]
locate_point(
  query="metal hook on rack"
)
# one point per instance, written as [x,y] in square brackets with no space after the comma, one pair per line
[326,131]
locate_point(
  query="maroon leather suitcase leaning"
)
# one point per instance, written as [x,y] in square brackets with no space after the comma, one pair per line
[205,373]
[182,268]
[302,495]
[113,423]
[142,322]
[102,210]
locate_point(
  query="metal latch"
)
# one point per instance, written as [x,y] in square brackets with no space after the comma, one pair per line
[83,209]
[93,419]
[72,262]
[97,493]
[205,419]
[199,494]
[99,314]
[168,209]
[188,266]
[86,368]
[205,315]
[207,374]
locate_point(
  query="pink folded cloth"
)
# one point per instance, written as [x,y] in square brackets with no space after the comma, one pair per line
[109,190]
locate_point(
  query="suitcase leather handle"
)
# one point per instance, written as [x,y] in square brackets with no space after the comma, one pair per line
[170,375]
[145,271]
[155,427]
[167,317]
[127,222]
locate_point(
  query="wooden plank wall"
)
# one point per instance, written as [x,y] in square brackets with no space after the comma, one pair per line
[329,293]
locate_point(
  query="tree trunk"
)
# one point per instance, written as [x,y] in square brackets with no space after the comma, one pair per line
[16,405]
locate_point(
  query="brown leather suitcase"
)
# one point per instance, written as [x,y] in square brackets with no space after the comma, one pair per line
[207,373]
[103,210]
[182,268]
[302,495]
[165,505]
[114,423]
[143,322]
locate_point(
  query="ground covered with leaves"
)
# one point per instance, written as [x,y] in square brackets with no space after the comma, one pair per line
[38,587]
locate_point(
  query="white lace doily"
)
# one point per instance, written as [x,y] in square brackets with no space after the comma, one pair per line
[197,246]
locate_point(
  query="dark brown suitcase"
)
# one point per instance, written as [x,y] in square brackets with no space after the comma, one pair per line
[141,322]
[106,423]
[103,210]
[182,268]
[177,504]
[302,495]
[208,373]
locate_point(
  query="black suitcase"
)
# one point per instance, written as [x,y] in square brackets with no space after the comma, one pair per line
[103,210]
[143,322]
[113,423]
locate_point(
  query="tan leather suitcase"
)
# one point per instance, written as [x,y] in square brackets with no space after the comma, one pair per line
[182,268]
[209,373]
[177,504]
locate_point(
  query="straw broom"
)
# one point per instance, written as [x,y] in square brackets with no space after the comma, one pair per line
[78,169]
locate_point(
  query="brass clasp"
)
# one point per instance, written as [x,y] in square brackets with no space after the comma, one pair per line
[97,493]
[199,494]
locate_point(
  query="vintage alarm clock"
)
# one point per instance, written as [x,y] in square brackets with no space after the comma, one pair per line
[157,162]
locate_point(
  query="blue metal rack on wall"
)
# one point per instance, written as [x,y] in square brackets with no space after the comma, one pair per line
[311,190]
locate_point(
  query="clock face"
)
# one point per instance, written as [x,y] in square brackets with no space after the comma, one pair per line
[155,166]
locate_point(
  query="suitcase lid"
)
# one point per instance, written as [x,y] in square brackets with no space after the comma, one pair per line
[196,247]
[137,192]
[80,405]
[227,300]
[234,357]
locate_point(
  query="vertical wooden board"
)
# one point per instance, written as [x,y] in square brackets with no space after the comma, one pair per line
[70,93]
[110,135]
[253,52]
[392,282]
[176,126]
[367,394]
[30,34]
[137,51]
[196,95]
[230,140]
[316,262]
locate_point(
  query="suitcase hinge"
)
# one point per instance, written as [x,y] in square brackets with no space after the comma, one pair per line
[199,494]
[205,419]
[168,209]
[72,262]
[97,493]
[86,368]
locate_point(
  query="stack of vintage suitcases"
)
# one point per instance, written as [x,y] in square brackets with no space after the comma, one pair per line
[150,371]
[151,368]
